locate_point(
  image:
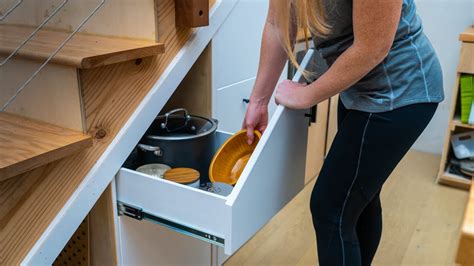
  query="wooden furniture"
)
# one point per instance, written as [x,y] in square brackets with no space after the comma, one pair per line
[192,13]
[26,144]
[466,66]
[465,253]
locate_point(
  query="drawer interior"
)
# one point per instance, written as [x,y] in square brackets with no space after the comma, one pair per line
[134,161]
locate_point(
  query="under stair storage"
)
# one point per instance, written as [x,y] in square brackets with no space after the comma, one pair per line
[105,93]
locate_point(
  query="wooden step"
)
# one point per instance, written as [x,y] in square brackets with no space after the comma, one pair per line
[26,144]
[82,51]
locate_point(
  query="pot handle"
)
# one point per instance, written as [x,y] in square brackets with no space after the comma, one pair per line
[155,149]
[187,118]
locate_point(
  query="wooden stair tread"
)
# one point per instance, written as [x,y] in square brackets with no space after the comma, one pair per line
[467,35]
[82,51]
[26,144]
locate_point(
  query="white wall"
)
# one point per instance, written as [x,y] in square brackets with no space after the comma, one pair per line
[443,21]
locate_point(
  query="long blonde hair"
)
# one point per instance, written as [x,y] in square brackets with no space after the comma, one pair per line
[307,16]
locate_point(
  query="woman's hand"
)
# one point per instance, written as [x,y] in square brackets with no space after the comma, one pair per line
[293,95]
[256,118]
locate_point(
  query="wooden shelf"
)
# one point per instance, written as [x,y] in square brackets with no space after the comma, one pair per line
[26,144]
[455,181]
[82,51]
[467,35]
[456,122]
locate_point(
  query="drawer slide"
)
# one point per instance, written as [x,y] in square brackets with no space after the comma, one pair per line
[138,214]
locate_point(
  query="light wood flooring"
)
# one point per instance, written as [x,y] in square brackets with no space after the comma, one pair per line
[421,223]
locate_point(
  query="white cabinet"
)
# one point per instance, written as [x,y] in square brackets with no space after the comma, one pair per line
[236,45]
[145,243]
[230,105]
[235,58]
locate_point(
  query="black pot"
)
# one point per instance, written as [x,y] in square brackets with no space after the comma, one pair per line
[179,140]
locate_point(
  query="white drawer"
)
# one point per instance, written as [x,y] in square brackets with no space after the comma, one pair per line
[274,175]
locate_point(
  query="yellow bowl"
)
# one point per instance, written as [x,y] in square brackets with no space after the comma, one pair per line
[232,157]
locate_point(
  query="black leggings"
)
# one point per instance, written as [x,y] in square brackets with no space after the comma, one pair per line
[345,203]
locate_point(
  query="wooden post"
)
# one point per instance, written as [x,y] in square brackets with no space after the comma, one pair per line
[192,13]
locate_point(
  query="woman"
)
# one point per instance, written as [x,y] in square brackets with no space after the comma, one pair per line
[390,83]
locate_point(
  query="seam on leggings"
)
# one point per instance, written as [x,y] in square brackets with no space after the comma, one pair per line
[350,188]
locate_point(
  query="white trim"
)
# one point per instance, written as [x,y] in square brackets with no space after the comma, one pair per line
[53,239]
[118,244]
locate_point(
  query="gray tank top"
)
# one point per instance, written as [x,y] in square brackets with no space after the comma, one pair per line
[411,73]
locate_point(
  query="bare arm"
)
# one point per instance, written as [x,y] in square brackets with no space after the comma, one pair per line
[271,64]
[272,61]
[375,24]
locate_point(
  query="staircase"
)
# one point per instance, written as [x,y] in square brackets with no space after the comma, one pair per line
[51,98]
[56,136]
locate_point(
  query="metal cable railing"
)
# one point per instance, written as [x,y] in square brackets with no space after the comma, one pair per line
[33,33]
[10,10]
[53,54]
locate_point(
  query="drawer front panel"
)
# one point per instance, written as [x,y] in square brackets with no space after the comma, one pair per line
[273,177]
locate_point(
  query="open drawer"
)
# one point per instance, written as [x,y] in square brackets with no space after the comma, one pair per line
[273,176]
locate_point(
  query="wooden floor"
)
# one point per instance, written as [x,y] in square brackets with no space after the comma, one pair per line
[421,223]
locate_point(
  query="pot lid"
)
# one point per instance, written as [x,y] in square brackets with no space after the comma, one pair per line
[179,125]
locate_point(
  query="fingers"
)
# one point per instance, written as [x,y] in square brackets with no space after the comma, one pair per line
[250,135]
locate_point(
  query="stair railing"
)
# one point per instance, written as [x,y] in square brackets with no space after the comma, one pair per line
[33,33]
[10,10]
[53,54]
